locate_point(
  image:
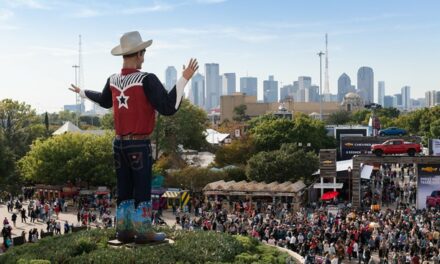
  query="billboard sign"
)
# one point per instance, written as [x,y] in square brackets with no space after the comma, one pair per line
[327,162]
[428,182]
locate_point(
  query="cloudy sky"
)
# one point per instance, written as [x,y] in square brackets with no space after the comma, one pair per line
[399,39]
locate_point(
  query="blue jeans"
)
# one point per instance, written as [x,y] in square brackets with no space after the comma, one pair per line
[133,164]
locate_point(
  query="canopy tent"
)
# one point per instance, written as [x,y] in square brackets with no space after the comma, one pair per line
[253,188]
[329,195]
[171,194]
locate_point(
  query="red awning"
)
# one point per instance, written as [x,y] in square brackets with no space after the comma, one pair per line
[329,195]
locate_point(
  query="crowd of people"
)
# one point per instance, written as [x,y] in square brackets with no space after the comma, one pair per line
[91,211]
[399,233]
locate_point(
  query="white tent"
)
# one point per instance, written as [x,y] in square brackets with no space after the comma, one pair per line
[215,137]
[67,127]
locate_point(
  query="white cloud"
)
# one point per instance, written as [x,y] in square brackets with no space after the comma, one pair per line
[57,52]
[148,9]
[6,14]
[87,13]
[32,4]
[210,1]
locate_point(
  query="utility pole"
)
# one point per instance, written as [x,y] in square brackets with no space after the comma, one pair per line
[77,97]
[320,84]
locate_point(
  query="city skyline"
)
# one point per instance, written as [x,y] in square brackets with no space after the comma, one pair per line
[40,41]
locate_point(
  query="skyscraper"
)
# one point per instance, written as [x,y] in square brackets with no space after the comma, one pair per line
[365,84]
[344,86]
[197,93]
[430,98]
[406,97]
[397,101]
[270,90]
[388,101]
[249,85]
[212,86]
[170,77]
[380,92]
[229,83]
[304,83]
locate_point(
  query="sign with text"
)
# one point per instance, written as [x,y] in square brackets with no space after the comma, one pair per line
[327,162]
[428,183]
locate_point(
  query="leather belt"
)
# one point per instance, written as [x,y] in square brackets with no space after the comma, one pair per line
[132,137]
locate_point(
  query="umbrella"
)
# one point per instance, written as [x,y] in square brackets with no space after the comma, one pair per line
[329,195]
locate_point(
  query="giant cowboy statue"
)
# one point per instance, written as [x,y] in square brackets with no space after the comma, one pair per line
[135,97]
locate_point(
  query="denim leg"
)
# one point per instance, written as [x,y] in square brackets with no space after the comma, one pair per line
[140,159]
[123,174]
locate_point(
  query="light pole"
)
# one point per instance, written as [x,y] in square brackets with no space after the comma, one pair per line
[77,100]
[320,84]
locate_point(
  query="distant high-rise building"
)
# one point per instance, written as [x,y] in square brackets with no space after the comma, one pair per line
[388,101]
[170,77]
[397,101]
[430,97]
[212,86]
[344,86]
[197,93]
[314,94]
[365,84]
[380,92]
[229,83]
[406,97]
[304,83]
[270,90]
[437,98]
[249,85]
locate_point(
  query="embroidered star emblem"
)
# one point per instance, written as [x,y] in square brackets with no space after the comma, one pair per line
[122,99]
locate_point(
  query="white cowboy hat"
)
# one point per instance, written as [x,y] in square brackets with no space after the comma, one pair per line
[131,42]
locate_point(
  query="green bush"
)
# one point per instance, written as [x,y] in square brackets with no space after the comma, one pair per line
[189,247]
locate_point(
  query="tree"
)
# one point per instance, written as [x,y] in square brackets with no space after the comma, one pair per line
[193,178]
[70,157]
[361,117]
[240,113]
[435,129]
[236,153]
[186,128]
[289,163]
[269,132]
[6,164]
[107,121]
[341,117]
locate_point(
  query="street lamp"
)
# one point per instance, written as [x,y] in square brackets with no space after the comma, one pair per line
[77,100]
[320,84]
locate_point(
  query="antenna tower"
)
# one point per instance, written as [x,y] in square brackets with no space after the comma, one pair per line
[327,85]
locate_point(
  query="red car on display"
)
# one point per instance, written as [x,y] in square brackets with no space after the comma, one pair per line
[433,200]
[396,146]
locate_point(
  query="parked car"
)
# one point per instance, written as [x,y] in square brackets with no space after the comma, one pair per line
[433,200]
[392,131]
[396,146]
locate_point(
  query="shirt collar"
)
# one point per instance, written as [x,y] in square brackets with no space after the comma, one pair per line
[126,71]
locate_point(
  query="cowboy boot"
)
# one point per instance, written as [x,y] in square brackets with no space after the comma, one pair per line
[124,221]
[143,225]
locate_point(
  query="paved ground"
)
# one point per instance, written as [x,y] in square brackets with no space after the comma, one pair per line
[69,216]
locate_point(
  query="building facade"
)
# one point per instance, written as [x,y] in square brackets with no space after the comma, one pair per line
[249,86]
[344,86]
[365,84]
[270,90]
[197,92]
[381,92]
[229,83]
[212,86]
[170,77]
